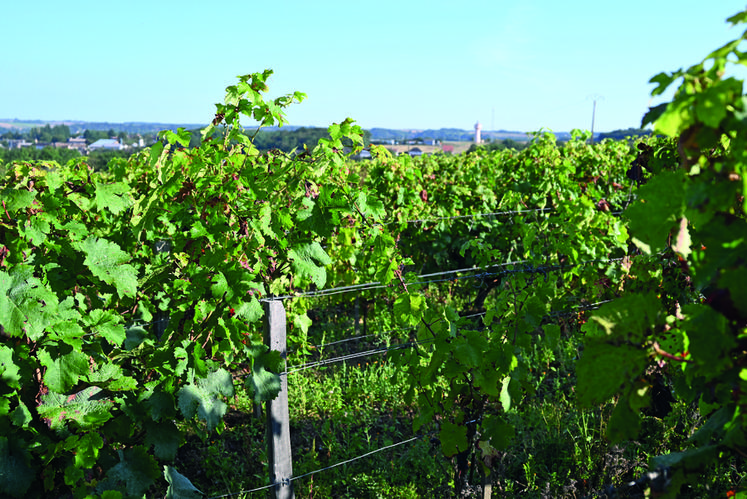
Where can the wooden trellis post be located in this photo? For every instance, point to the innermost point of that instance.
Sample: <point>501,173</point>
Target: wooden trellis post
<point>278,421</point>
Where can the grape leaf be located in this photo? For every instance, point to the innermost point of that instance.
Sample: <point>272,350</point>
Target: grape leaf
<point>106,260</point>
<point>64,371</point>
<point>658,210</point>
<point>87,450</point>
<point>135,472</point>
<point>453,438</point>
<point>165,438</point>
<point>15,475</point>
<point>264,382</point>
<point>497,431</point>
<point>113,196</point>
<point>89,408</point>
<point>9,371</point>
<point>179,486</point>
<point>25,304</point>
<point>308,260</point>
<point>107,324</point>
<point>604,368</point>
<point>201,398</point>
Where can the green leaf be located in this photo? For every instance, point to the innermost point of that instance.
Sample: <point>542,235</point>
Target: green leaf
<point>26,306</point>
<point>106,260</point>
<point>64,371</point>
<point>21,416</point>
<point>505,397</point>
<point>160,405</point>
<point>251,310</point>
<point>264,382</point>
<point>497,431</point>
<point>113,197</point>
<point>604,368</point>
<point>219,286</point>
<point>370,206</point>
<point>710,338</point>
<point>658,210</point>
<point>467,355</point>
<point>663,80</point>
<point>165,438</point>
<point>9,371</point>
<point>488,380</point>
<point>453,438</point>
<point>15,474</point>
<point>179,486</point>
<point>193,400</point>
<point>677,116</point>
<point>36,229</point>
<point>409,308</point>
<point>89,408</point>
<point>631,317</point>
<point>182,136</point>
<point>625,423</point>
<point>302,322</point>
<point>106,324</point>
<point>308,260</point>
<point>734,281</point>
<point>711,104</point>
<point>552,335</point>
<point>690,460</point>
<point>201,399</point>
<point>87,450</point>
<point>135,472</point>
<point>713,429</point>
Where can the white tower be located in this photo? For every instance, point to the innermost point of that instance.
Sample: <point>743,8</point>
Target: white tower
<point>478,127</point>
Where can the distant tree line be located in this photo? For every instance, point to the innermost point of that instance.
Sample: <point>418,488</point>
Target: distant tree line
<point>283,140</point>
<point>498,145</point>
<point>59,154</point>
<point>294,139</point>
<point>61,133</point>
<point>623,134</point>
<point>96,159</point>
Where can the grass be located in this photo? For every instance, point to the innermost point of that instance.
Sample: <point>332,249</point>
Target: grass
<point>342,411</point>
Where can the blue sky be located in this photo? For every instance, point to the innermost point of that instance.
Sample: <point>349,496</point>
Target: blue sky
<point>515,65</point>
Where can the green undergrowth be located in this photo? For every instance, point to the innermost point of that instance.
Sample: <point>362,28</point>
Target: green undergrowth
<point>342,411</point>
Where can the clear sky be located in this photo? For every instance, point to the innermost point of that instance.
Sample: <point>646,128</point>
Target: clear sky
<point>509,64</point>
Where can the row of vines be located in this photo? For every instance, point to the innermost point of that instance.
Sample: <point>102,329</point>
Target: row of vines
<point>130,297</point>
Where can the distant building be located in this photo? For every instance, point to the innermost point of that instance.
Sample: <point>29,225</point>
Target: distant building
<point>447,149</point>
<point>18,143</point>
<point>415,151</point>
<point>78,143</point>
<point>107,144</point>
<point>478,127</point>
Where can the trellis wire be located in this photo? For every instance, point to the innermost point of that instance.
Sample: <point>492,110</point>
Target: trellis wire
<point>378,285</point>
<point>475,215</point>
<point>341,463</point>
<point>400,346</point>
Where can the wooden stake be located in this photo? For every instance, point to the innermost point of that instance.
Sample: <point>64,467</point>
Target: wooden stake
<point>278,421</point>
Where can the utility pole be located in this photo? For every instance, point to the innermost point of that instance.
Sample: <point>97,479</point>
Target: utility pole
<point>595,98</point>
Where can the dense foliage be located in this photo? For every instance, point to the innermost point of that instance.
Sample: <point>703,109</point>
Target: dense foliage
<point>130,296</point>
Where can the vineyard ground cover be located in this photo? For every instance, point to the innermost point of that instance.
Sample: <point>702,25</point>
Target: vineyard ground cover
<point>340,412</point>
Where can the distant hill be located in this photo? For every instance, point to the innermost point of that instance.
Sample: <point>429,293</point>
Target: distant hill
<point>80,126</point>
<point>443,134</point>
<point>624,134</point>
<point>376,134</point>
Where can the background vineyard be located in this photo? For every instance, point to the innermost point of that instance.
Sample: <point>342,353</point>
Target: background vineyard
<point>551,321</point>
